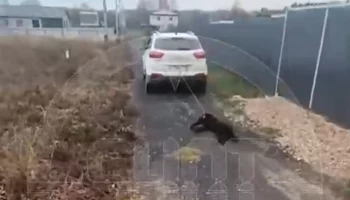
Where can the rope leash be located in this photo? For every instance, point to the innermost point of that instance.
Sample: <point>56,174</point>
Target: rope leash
<point>194,96</point>
<point>173,85</point>
<point>190,89</point>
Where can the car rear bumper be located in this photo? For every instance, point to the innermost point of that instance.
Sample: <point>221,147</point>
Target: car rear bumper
<point>200,78</point>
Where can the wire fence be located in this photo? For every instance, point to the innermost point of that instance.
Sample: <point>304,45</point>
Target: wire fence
<point>306,54</point>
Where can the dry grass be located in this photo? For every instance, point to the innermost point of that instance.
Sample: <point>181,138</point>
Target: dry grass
<point>64,139</point>
<point>225,83</point>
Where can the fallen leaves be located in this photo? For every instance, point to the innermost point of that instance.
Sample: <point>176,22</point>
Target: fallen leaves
<point>188,154</point>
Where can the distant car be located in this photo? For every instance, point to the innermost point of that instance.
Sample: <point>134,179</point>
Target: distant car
<point>174,57</point>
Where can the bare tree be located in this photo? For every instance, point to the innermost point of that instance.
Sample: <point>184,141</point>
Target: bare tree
<point>4,2</point>
<point>173,5</point>
<point>31,2</point>
<point>142,5</point>
<point>238,12</point>
<point>85,6</point>
<point>142,11</point>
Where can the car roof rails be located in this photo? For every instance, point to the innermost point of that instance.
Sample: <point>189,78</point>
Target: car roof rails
<point>155,33</point>
<point>190,32</point>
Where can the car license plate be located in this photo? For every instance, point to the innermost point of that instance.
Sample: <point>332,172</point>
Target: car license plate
<point>180,58</point>
<point>179,66</point>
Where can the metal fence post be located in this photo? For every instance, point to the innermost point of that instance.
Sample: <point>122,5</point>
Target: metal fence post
<point>281,52</point>
<point>318,58</point>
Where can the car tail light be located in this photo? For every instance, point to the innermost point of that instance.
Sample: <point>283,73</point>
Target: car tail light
<point>200,75</point>
<point>199,55</point>
<point>155,75</point>
<point>156,54</point>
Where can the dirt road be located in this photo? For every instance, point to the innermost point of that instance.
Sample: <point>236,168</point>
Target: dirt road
<point>244,171</point>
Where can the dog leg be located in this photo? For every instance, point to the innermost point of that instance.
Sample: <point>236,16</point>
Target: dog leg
<point>234,138</point>
<point>222,141</point>
<point>200,129</point>
<point>195,124</point>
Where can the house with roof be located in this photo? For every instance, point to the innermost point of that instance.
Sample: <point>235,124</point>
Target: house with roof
<point>33,16</point>
<point>164,17</point>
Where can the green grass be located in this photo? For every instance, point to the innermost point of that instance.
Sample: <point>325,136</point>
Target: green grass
<point>224,84</point>
<point>347,191</point>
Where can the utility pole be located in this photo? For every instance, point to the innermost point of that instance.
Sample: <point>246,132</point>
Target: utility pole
<point>117,18</point>
<point>122,23</point>
<point>105,20</point>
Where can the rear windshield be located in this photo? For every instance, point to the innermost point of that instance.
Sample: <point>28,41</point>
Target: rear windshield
<point>177,44</point>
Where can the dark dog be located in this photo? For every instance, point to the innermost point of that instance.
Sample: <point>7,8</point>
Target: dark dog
<point>223,131</point>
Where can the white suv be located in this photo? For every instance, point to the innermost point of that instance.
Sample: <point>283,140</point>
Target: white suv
<point>176,58</point>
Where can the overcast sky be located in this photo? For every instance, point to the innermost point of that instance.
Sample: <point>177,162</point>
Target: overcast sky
<point>183,4</point>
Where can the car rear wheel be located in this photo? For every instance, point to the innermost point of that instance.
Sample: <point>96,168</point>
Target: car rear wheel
<point>149,88</point>
<point>202,88</point>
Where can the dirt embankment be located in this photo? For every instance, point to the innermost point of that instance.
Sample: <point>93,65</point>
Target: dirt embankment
<point>66,124</point>
<point>306,136</point>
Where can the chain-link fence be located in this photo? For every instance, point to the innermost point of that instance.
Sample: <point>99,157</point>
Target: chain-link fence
<point>252,48</point>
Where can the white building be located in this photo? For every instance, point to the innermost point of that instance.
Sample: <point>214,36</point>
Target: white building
<point>89,18</point>
<point>32,16</point>
<point>164,19</point>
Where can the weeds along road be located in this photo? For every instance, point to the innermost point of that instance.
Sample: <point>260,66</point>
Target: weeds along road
<point>243,170</point>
